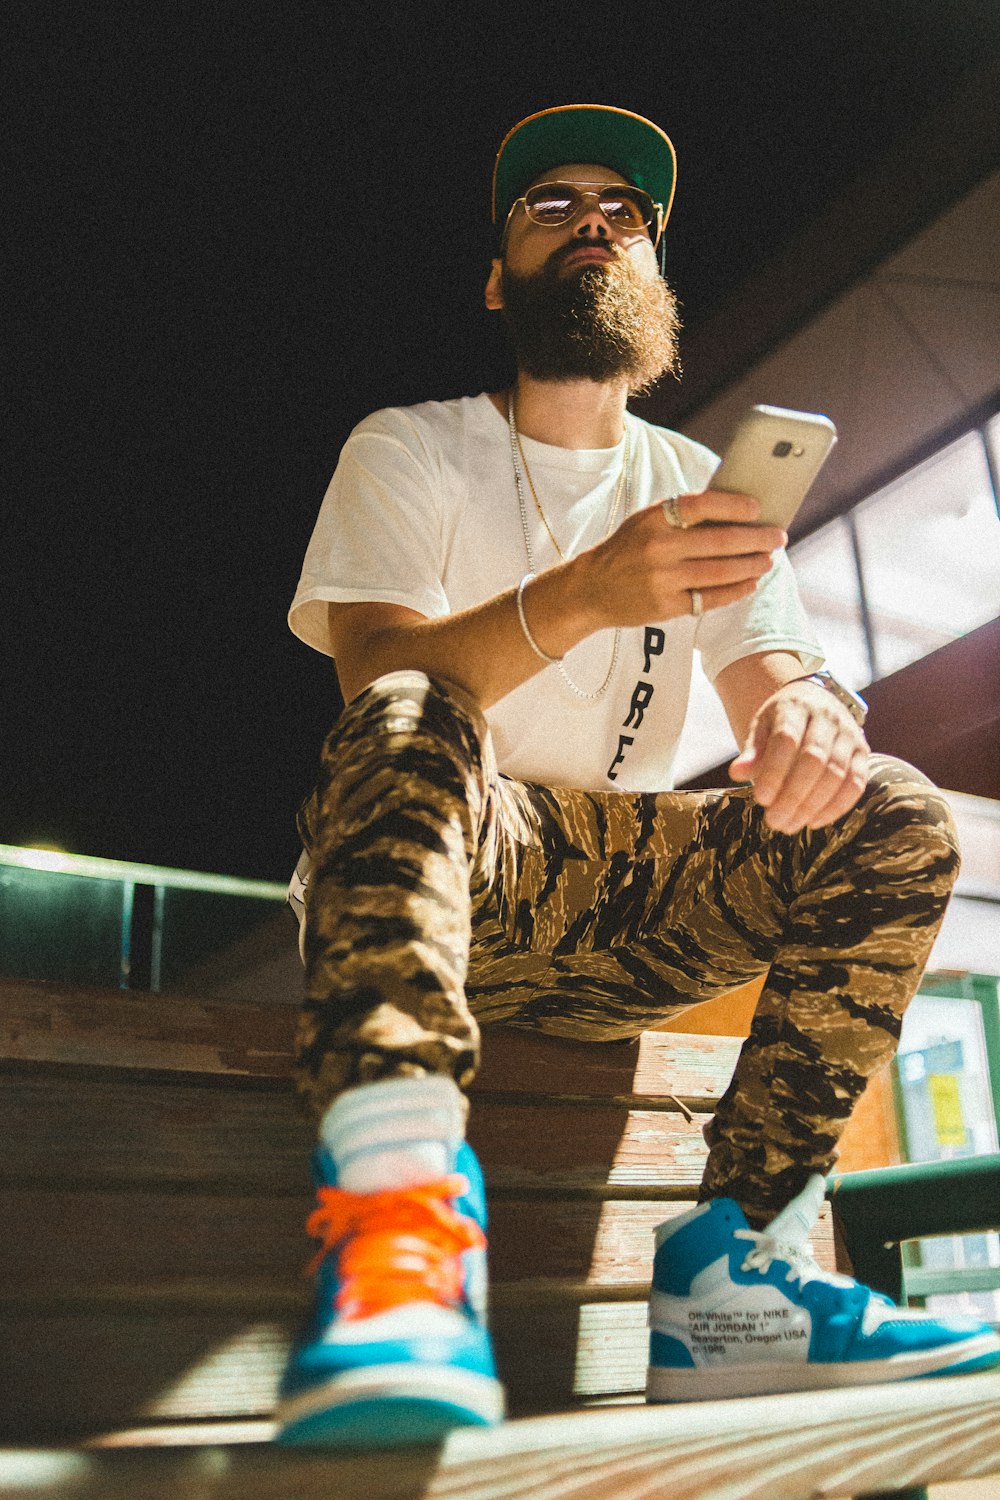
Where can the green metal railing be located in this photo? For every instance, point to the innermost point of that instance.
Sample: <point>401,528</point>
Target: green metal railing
<point>78,914</point>
<point>877,1211</point>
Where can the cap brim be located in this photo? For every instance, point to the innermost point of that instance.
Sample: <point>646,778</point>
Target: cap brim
<point>623,142</point>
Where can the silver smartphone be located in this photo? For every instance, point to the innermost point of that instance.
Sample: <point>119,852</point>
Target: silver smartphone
<point>775,455</point>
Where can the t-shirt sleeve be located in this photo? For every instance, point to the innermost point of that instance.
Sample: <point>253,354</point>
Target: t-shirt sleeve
<point>378,536</point>
<point>771,619</point>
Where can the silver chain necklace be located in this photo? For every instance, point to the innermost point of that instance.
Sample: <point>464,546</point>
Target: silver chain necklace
<point>515,452</point>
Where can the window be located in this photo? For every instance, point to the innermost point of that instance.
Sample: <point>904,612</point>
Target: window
<point>930,555</point>
<point>947,1078</point>
<point>827,576</point>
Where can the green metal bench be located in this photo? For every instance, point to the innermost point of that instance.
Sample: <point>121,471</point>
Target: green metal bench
<point>875,1212</point>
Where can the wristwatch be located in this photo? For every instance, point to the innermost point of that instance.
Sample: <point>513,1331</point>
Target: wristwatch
<point>853,702</point>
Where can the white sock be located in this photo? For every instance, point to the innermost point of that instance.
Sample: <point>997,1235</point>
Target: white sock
<point>394,1133</point>
<point>797,1219</point>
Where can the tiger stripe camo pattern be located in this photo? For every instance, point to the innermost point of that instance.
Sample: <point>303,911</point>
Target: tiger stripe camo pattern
<point>444,895</point>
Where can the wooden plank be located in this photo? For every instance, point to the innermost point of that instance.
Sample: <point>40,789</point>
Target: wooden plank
<point>659,1065</point>
<point>65,1245</point>
<point>600,1246</point>
<point>50,1024</point>
<point>80,1355</point>
<point>122,1132</point>
<point>790,1447</point>
<point>220,1330</point>
<point>587,1150</point>
<point>85,1025</point>
<point>73,1373</point>
<point>119,1131</point>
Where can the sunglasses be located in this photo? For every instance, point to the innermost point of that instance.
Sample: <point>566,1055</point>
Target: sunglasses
<point>625,207</point>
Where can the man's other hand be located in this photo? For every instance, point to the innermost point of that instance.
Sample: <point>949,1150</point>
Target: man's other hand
<point>806,757</point>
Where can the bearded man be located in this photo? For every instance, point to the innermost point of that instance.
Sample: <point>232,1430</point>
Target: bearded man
<point>512,586</point>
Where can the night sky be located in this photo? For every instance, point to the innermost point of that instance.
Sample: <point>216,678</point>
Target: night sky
<point>232,230</point>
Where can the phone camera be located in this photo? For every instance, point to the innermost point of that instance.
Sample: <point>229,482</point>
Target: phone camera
<point>781,450</point>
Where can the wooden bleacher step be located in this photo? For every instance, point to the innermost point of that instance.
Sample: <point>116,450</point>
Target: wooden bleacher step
<point>800,1447</point>
<point>155,1183</point>
<point>156,1173</point>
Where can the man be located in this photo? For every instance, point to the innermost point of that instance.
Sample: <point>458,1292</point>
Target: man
<point>512,586</point>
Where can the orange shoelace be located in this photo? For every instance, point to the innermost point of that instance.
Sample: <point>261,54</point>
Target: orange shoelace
<point>394,1247</point>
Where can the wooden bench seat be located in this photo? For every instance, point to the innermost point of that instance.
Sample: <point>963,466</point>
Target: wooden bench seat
<point>154,1185</point>
<point>800,1447</point>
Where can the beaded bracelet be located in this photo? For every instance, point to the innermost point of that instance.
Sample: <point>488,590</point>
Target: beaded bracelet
<point>552,661</point>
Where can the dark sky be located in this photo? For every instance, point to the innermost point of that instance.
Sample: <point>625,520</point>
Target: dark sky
<point>233,230</point>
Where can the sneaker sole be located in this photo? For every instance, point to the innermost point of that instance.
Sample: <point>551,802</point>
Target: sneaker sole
<point>663,1384</point>
<point>386,1406</point>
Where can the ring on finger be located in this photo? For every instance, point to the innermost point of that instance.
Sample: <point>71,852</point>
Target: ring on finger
<point>672,513</point>
<point>697,603</point>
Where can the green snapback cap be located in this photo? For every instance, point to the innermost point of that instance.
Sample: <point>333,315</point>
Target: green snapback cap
<point>625,143</point>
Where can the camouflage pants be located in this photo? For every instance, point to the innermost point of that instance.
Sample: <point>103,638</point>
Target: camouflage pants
<point>444,894</point>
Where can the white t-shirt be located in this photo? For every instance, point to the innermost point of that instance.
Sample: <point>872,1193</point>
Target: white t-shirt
<point>423,512</point>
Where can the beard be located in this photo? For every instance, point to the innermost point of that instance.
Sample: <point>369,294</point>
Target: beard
<point>602,323</point>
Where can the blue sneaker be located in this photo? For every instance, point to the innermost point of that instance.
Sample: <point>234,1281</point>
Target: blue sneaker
<point>736,1312</point>
<point>398,1350</point>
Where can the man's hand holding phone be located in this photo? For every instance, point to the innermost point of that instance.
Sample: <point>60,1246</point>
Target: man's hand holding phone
<point>692,554</point>
<point>716,545</point>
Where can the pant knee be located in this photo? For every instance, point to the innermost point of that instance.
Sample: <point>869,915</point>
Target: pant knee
<point>909,818</point>
<point>401,704</point>
<point>404,732</point>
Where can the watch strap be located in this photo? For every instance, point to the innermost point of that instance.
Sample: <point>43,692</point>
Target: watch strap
<point>852,701</point>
